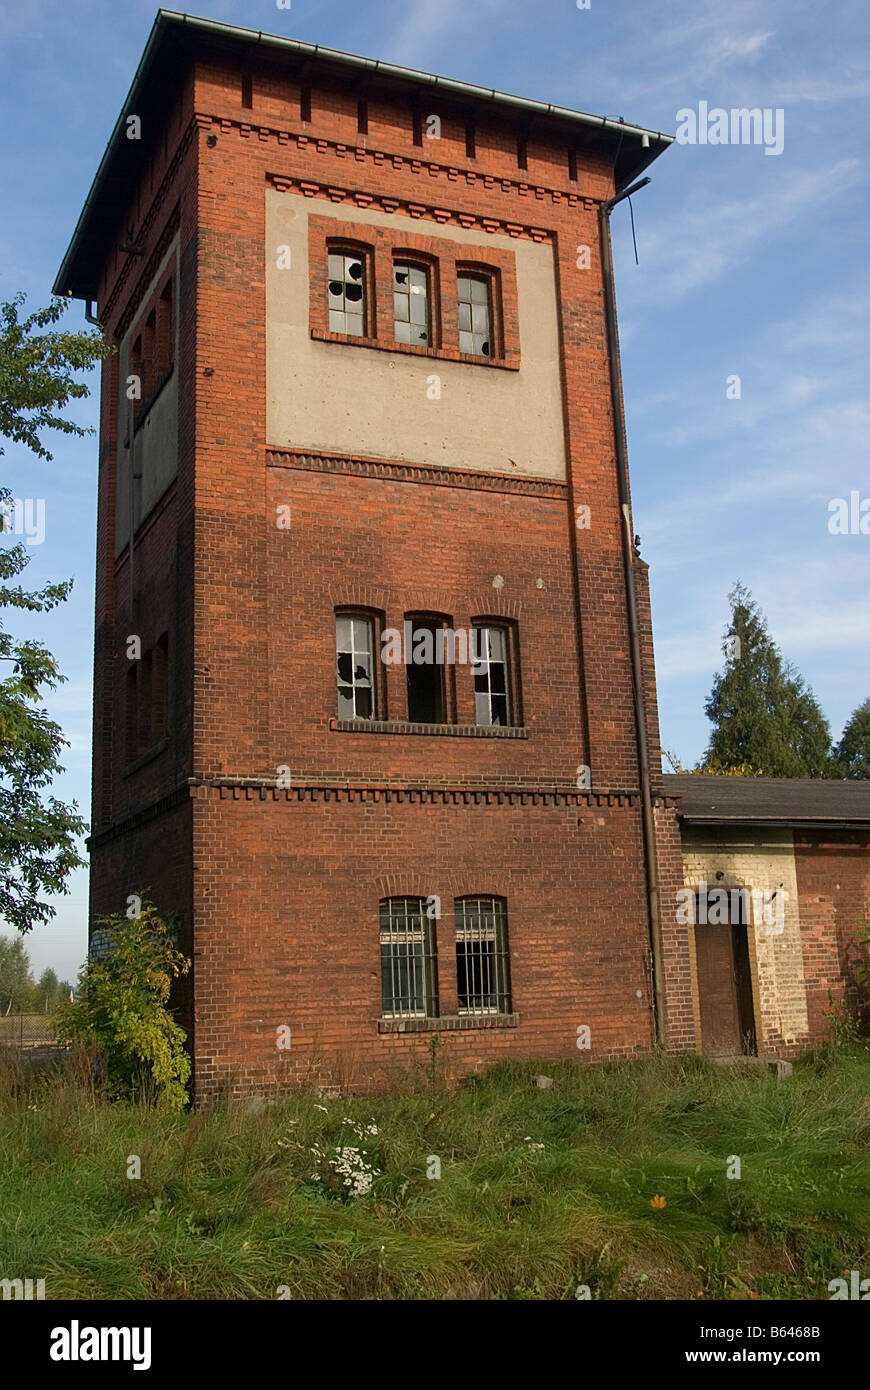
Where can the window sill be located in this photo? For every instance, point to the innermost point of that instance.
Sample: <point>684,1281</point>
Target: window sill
<point>510,362</point>
<point>451,1023</point>
<point>403,726</point>
<point>146,757</point>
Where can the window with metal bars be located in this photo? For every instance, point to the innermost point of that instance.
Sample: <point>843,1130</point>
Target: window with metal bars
<point>475,315</point>
<point>354,647</point>
<point>409,978</point>
<point>482,965</point>
<point>347,293</point>
<point>411,304</point>
<point>490,670</point>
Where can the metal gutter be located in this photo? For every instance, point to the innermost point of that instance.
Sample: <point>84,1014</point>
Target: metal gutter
<point>167,20</point>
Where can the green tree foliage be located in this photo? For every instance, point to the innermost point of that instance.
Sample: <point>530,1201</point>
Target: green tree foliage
<point>853,750</point>
<point>38,368</point>
<point>50,993</point>
<point>766,721</point>
<point>16,981</point>
<point>121,1008</point>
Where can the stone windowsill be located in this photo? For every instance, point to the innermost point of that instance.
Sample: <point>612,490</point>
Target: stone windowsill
<point>510,362</point>
<point>402,726</point>
<point>450,1023</point>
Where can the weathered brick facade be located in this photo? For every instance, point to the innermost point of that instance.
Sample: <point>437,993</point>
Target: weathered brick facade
<point>460,504</point>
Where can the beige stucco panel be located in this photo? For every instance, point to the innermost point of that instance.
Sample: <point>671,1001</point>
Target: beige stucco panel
<point>355,400</point>
<point>764,860</point>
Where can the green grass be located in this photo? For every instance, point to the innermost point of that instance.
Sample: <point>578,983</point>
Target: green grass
<point>223,1211</point>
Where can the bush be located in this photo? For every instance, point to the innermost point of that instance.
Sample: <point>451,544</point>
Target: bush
<point>121,1010</point>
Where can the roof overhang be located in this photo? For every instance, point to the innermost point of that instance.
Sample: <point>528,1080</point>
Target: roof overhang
<point>174,40</point>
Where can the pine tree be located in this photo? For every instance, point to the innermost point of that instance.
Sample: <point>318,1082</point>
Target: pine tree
<point>853,750</point>
<point>765,718</point>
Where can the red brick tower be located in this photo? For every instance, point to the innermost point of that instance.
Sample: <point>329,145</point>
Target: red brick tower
<point>361,314</point>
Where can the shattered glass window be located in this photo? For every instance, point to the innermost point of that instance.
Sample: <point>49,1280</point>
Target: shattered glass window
<point>347,300</point>
<point>353,655</point>
<point>411,304</point>
<point>475,315</point>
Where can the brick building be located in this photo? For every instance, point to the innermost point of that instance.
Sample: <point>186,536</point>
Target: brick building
<point>365,407</point>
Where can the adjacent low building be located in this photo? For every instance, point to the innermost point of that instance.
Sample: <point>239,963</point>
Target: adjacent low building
<point>786,863</point>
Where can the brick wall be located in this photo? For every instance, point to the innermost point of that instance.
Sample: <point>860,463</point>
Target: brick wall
<point>833,879</point>
<point>279,891</point>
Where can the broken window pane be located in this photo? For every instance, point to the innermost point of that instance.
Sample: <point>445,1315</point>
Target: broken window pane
<point>411,304</point>
<point>346,294</point>
<point>408,962</point>
<point>475,315</point>
<point>491,702</point>
<point>354,644</point>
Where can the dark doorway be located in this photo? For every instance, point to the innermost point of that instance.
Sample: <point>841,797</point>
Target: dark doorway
<point>725,982</point>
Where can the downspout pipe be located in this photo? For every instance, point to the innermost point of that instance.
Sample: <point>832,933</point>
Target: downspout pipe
<point>649,837</point>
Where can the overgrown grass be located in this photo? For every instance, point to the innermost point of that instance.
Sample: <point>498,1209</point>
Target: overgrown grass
<point>223,1210</point>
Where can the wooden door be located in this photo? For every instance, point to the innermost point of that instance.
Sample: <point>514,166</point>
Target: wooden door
<point>718,993</point>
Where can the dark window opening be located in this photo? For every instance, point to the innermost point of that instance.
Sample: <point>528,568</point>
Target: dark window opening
<point>409,978</point>
<point>132,713</point>
<point>426,703</point>
<point>305,104</point>
<point>522,153</point>
<point>417,117</point>
<point>247,89</point>
<point>161,688</point>
<point>470,142</point>
<point>362,117</point>
<point>482,965</point>
<point>572,165</point>
<point>146,674</point>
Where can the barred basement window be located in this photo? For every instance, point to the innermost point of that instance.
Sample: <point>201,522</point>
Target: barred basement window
<point>409,981</point>
<point>475,315</point>
<point>490,670</point>
<point>482,966</point>
<point>354,644</point>
<point>411,304</point>
<point>347,297</point>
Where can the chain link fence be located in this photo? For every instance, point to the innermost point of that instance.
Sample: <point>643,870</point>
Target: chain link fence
<point>21,1030</point>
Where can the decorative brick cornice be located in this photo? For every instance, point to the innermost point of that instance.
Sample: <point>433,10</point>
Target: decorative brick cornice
<point>489,792</point>
<point>417,473</point>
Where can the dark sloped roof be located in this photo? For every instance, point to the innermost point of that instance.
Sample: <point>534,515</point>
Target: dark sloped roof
<point>771,800</point>
<point>175,37</point>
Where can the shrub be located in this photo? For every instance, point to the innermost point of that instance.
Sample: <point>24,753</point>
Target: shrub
<point>121,1010</point>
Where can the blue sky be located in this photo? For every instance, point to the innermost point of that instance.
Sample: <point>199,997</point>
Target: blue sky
<point>750,264</point>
